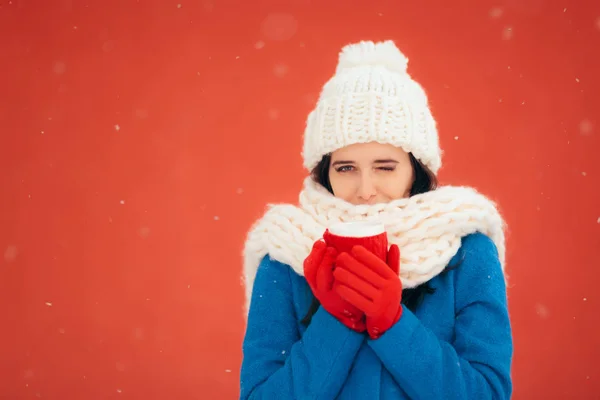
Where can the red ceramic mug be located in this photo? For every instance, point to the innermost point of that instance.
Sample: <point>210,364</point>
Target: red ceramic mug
<point>369,234</point>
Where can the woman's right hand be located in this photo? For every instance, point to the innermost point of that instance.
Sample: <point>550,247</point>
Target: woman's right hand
<point>318,271</point>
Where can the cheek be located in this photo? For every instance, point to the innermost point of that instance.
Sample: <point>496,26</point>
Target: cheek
<point>398,184</point>
<point>343,186</point>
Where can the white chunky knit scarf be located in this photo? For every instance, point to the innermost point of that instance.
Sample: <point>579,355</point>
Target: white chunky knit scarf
<point>427,228</point>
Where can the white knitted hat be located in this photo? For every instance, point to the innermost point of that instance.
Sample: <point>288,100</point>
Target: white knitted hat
<point>371,98</point>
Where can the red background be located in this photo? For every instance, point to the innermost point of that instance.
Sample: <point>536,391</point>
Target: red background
<point>140,139</point>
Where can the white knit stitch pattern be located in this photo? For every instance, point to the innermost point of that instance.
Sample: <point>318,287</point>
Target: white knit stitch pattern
<point>372,98</point>
<point>427,228</point>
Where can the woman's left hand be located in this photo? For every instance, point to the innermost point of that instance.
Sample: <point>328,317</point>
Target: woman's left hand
<point>371,285</point>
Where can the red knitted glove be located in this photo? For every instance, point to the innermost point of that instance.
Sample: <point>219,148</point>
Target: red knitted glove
<point>318,271</point>
<point>371,285</point>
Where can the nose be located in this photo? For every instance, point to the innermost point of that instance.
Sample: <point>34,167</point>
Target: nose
<point>367,190</point>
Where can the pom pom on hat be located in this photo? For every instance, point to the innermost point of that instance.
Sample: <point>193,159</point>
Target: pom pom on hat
<point>367,53</point>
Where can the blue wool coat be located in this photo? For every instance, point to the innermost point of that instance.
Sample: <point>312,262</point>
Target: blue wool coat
<point>457,345</point>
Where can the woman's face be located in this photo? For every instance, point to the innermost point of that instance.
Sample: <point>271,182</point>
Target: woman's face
<point>369,173</point>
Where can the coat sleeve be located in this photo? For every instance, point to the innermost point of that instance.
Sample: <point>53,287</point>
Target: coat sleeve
<point>476,364</point>
<point>280,363</point>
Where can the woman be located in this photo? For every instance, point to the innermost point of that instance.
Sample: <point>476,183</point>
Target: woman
<point>431,322</point>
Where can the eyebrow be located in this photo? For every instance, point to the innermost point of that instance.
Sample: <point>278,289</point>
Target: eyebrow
<point>381,161</point>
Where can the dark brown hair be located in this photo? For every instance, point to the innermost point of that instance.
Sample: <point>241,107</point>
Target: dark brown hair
<point>425,181</point>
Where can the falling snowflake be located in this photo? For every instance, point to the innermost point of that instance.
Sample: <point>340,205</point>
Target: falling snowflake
<point>455,137</point>
<point>280,70</point>
<point>586,127</point>
<point>144,232</point>
<point>138,333</point>
<point>496,12</point>
<point>507,33</point>
<point>141,113</point>
<point>49,304</point>
<point>117,127</point>
<point>279,26</point>
<point>178,5</point>
<point>273,114</point>
<point>59,67</point>
<point>209,6</point>
<point>259,45</point>
<point>216,218</point>
<point>10,254</point>
<point>542,311</point>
